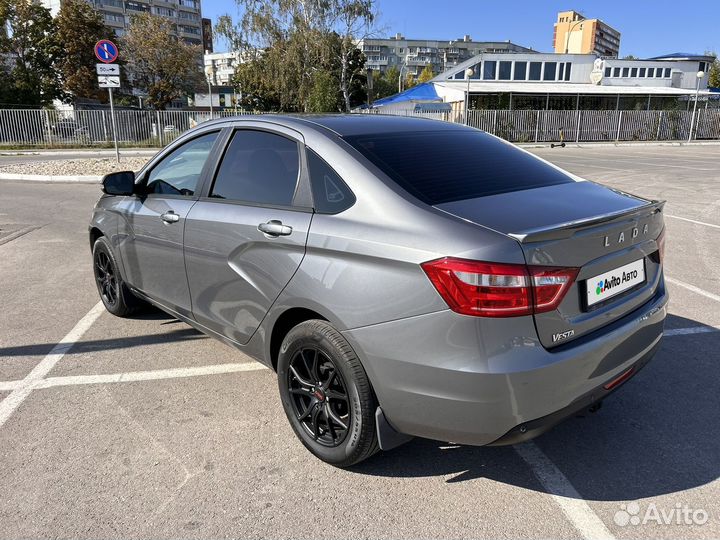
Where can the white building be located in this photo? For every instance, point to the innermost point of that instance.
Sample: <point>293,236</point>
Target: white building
<point>571,81</point>
<point>220,67</point>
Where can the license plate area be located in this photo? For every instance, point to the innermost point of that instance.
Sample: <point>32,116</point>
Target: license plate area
<point>610,284</point>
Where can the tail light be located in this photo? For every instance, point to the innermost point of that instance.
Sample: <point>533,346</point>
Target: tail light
<point>488,289</point>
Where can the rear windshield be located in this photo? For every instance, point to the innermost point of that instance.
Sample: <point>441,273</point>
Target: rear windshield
<point>446,166</point>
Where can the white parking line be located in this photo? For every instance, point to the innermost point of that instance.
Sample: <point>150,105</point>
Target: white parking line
<point>691,330</point>
<point>585,520</point>
<point>136,376</point>
<point>19,394</point>
<point>694,221</point>
<point>693,288</point>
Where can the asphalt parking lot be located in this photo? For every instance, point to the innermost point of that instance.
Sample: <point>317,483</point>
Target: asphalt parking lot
<point>146,428</point>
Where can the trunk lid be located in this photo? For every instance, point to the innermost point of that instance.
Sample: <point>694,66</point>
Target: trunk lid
<point>603,232</point>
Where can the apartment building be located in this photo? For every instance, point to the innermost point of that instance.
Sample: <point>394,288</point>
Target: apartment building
<point>412,55</point>
<point>185,14</point>
<point>576,34</point>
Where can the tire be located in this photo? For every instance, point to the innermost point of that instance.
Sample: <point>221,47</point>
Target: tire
<point>316,367</point>
<point>113,291</point>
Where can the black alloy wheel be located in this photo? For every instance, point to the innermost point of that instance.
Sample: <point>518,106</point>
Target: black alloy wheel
<point>108,285</point>
<point>319,396</point>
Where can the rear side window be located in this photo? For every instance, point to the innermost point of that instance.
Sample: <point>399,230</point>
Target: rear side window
<point>330,194</point>
<point>445,166</point>
<point>258,167</point>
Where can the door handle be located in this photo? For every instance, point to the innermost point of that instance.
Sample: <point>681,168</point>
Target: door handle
<point>170,217</point>
<point>275,228</point>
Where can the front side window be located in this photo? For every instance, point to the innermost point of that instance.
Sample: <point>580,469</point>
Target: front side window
<point>178,173</point>
<point>330,194</point>
<point>258,167</point>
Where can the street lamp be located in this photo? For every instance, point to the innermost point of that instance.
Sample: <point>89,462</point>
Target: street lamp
<point>402,66</point>
<point>567,35</point>
<point>699,75</point>
<point>210,72</point>
<point>468,73</point>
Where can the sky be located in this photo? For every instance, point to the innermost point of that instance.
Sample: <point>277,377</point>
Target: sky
<point>649,28</point>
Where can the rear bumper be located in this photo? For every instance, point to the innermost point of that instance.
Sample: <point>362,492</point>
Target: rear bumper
<point>454,378</point>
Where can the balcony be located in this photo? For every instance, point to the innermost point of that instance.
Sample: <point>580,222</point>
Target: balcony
<point>420,61</point>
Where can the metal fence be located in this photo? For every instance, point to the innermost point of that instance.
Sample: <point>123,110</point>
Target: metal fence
<point>52,129</point>
<point>584,125</point>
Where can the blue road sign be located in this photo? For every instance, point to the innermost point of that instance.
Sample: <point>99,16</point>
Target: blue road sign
<point>106,51</point>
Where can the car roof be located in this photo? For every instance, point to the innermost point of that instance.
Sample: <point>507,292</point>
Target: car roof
<point>348,125</point>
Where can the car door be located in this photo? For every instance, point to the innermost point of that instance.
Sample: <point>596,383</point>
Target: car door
<point>246,237</point>
<point>152,248</point>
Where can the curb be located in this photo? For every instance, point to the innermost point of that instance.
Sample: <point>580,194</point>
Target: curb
<point>60,179</point>
<point>627,144</point>
<point>92,151</point>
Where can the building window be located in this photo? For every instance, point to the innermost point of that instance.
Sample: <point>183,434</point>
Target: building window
<point>608,71</point>
<point>520,71</point>
<point>701,66</point>
<point>504,71</point>
<point>489,70</point>
<point>633,72</point>
<point>550,71</point>
<point>568,67</point>
<point>616,72</point>
<point>658,72</point>
<point>626,72</point>
<point>667,73</point>
<point>535,69</point>
<point>642,72</point>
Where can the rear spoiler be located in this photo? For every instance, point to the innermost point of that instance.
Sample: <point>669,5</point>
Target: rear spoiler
<point>566,230</point>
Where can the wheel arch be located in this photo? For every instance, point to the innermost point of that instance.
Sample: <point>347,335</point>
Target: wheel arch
<point>95,233</point>
<point>287,320</point>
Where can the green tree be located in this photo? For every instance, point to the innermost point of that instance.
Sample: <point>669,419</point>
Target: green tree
<point>32,50</point>
<point>387,85</point>
<point>410,81</point>
<point>163,77</point>
<point>426,74</point>
<point>290,40</point>
<point>324,95</point>
<point>714,71</point>
<point>79,27</point>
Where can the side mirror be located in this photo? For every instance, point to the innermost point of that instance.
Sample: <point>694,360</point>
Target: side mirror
<point>119,183</point>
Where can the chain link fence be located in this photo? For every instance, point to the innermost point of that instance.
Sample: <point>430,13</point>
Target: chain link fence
<point>93,128</point>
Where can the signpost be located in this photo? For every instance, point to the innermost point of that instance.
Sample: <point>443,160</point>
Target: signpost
<point>109,77</point>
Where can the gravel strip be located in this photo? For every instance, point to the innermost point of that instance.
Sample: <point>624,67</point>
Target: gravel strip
<point>76,167</point>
